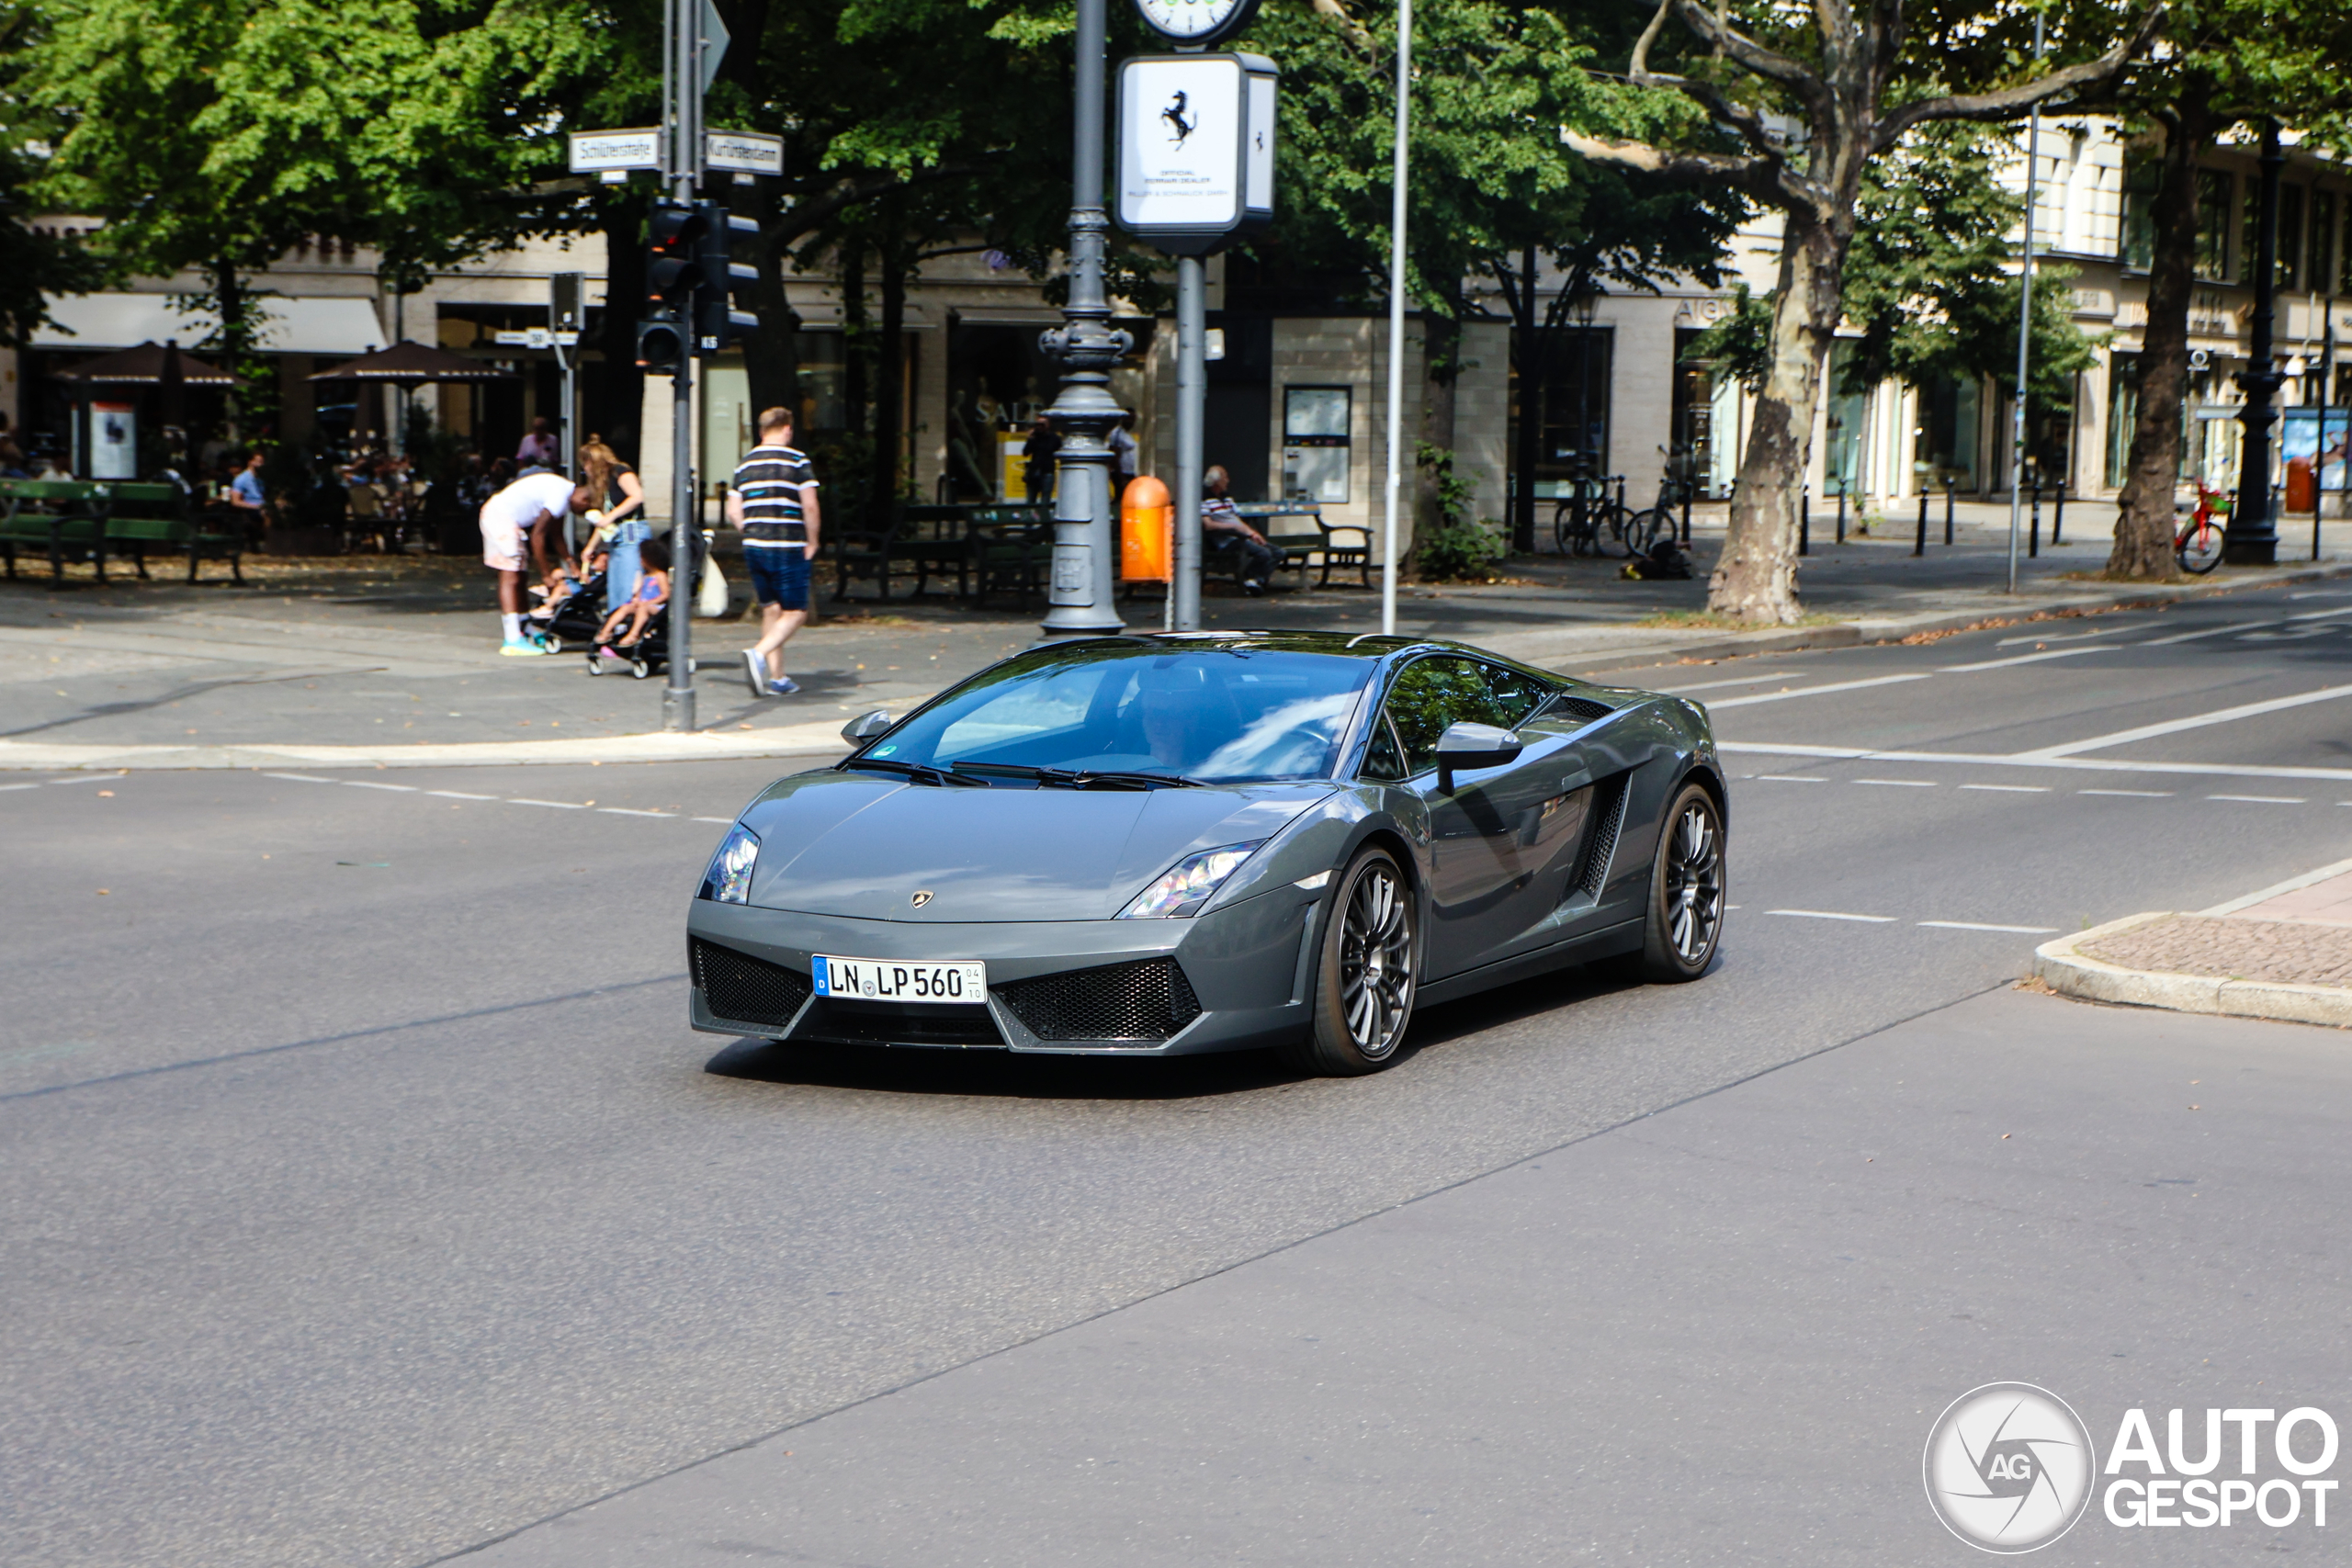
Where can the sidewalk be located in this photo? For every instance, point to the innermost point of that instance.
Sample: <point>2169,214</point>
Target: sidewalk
<point>2282,952</point>
<point>374,661</point>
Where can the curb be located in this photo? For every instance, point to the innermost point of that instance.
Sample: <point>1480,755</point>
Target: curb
<point>660,746</point>
<point>2064,968</point>
<point>1546,647</point>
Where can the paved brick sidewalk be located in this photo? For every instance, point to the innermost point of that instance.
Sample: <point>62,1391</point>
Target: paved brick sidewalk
<point>2282,952</point>
<point>2231,947</point>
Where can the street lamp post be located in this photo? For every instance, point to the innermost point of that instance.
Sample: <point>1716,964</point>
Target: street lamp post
<point>1085,552</point>
<point>2252,536</point>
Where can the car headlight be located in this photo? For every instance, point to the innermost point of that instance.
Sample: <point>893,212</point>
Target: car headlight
<point>1188,884</point>
<point>729,880</point>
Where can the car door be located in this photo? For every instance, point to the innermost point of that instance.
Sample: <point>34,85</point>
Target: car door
<point>1500,839</point>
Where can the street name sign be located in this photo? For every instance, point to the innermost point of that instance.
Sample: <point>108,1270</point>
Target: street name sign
<point>744,152</point>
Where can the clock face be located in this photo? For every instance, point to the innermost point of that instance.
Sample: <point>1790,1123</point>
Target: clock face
<point>1189,20</point>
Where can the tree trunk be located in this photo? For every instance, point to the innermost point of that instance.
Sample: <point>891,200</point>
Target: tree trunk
<point>772,364</point>
<point>1755,581</point>
<point>1440,369</point>
<point>889,374</point>
<point>2144,523</point>
<point>617,393</point>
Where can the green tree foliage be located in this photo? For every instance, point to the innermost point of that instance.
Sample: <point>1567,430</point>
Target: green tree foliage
<point>32,264</point>
<point>1931,281</point>
<point>213,135</point>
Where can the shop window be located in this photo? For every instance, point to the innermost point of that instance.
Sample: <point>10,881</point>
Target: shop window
<point>1946,438</point>
<point>2122,415</point>
<point>1317,444</point>
<point>1573,392</point>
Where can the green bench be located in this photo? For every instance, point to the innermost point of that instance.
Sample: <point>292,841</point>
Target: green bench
<point>1343,545</point>
<point>86,520</point>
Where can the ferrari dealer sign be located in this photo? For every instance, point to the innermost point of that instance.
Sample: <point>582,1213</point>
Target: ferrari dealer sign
<point>1196,138</point>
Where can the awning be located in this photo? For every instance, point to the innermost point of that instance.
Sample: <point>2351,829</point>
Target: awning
<point>407,363</point>
<point>298,324</point>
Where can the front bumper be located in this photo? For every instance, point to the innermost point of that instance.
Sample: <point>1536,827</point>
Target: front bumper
<point>1247,965</point>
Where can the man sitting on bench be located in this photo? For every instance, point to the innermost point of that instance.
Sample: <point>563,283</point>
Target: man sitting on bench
<point>1219,517</point>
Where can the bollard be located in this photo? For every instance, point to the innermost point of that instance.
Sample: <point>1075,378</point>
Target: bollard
<point>1805,522</point>
<point>2033,529</point>
<point>1946,509</point>
<point>1687,488</point>
<point>2058,512</point>
<point>1920,549</point>
<point>1841,514</point>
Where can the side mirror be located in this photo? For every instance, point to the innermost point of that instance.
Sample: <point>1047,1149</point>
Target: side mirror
<point>1467,745</point>
<point>867,726</point>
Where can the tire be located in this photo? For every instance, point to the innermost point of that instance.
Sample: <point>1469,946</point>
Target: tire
<point>2198,548</point>
<point>1617,535</point>
<point>595,665</point>
<point>1685,917</point>
<point>638,669</point>
<point>1366,973</point>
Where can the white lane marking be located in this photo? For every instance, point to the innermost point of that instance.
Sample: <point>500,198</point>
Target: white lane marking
<point>1790,778</point>
<point>2061,636</point>
<point>301,778</point>
<point>1835,915</point>
<point>2135,794</point>
<point>370,784</point>
<point>102,778</point>
<point>2012,789</point>
<point>2031,760</point>
<point>1743,680</point>
<point>2322,593</point>
<point>2238,626</point>
<point>19,786</point>
<point>2024,658</point>
<point>458,794</point>
<point>1976,926</point>
<point>722,821</point>
<point>624,811</point>
<point>559,805</point>
<point>2293,885</point>
<point>1898,783</point>
<point>2261,799</point>
<point>1816,691</point>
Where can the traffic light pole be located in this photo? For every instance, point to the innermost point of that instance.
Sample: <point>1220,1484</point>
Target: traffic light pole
<point>681,165</point>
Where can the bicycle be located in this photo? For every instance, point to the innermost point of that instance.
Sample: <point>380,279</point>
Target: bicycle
<point>1663,521</point>
<point>1590,522</point>
<point>2198,544</point>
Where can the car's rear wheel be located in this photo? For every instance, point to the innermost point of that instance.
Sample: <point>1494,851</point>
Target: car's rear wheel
<point>1363,972</point>
<point>1687,883</point>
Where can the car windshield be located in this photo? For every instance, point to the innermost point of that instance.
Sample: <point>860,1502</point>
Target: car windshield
<point>1214,716</point>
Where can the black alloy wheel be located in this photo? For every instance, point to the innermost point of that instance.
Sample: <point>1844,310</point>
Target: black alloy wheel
<point>1687,890</point>
<point>1365,972</point>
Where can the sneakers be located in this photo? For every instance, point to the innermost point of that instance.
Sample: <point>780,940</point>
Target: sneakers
<point>755,672</point>
<point>783,686</point>
<point>524,647</point>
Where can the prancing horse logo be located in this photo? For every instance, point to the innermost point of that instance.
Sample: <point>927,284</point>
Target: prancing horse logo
<point>1175,115</point>
<point>920,899</point>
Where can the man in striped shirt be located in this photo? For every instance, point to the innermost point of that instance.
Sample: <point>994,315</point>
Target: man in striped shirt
<point>774,501</point>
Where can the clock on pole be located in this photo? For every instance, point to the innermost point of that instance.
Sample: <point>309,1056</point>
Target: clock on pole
<point>1196,23</point>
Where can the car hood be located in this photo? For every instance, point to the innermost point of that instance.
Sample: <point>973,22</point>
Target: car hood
<point>861,845</point>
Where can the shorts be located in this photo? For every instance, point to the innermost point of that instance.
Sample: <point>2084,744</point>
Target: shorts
<point>502,544</point>
<point>778,576</point>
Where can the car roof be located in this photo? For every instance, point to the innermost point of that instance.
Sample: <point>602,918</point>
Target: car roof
<point>1358,645</point>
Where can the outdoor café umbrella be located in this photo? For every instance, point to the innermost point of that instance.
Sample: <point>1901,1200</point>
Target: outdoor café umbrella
<point>162,365</point>
<point>409,366</point>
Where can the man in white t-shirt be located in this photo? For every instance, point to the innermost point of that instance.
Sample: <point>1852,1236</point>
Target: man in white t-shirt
<point>530,507</point>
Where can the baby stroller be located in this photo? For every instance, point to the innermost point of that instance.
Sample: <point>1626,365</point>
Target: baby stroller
<point>574,618</point>
<point>647,654</point>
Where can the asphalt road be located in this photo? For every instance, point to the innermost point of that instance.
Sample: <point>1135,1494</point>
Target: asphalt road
<point>368,1199</point>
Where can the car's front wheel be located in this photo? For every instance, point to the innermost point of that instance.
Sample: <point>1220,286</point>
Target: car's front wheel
<point>1687,881</point>
<point>1364,973</point>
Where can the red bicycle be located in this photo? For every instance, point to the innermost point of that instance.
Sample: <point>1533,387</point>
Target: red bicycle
<point>2198,545</point>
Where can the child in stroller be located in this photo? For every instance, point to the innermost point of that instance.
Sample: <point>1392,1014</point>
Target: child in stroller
<point>643,622</point>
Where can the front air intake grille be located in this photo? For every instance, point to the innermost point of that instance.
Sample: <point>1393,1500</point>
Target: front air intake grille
<point>746,990</point>
<point>1144,1002</point>
<point>1601,848</point>
<point>898,1023</point>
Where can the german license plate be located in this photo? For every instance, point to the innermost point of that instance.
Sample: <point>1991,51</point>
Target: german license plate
<point>901,980</point>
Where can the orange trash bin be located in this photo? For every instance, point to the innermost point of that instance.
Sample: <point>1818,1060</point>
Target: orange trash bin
<point>1146,541</point>
<point>2301,494</point>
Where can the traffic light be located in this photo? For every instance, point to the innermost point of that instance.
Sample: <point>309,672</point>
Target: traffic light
<point>721,280</point>
<point>673,273</point>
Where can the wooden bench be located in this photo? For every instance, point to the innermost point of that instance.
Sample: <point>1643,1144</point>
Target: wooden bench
<point>1332,543</point>
<point>1010,546</point>
<point>87,519</point>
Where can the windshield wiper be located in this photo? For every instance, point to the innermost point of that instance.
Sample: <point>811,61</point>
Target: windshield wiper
<point>915,771</point>
<point>1069,778</point>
